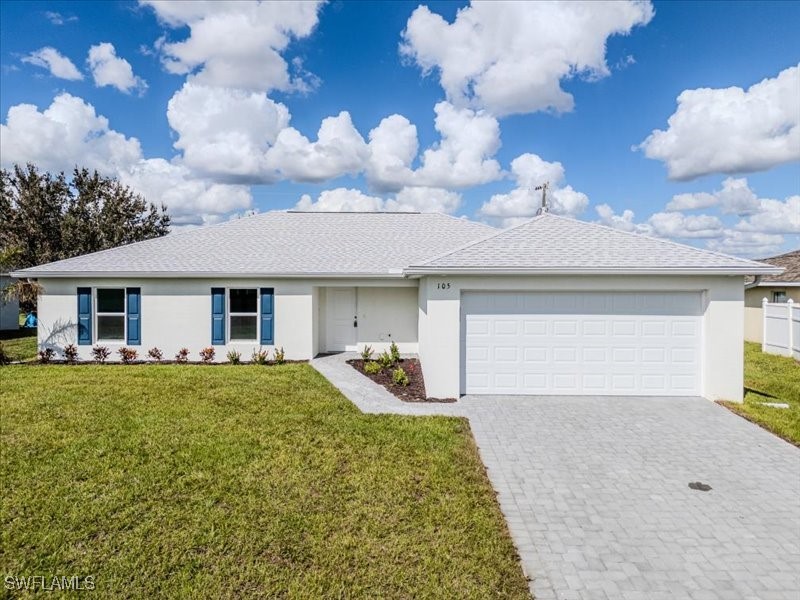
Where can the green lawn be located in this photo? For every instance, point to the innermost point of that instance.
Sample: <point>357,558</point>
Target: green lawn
<point>771,378</point>
<point>19,345</point>
<point>240,481</point>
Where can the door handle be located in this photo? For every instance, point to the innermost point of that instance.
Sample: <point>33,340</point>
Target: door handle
<point>355,321</point>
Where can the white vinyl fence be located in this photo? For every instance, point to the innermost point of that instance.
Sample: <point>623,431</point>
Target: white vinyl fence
<point>781,328</point>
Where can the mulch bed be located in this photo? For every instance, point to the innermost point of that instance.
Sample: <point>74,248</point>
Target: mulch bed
<point>413,392</point>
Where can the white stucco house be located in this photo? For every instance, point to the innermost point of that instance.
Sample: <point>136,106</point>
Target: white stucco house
<point>553,306</point>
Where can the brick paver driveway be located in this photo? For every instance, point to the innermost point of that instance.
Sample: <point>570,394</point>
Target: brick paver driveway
<point>596,494</point>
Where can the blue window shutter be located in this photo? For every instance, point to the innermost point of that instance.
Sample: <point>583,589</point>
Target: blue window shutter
<point>84,316</point>
<point>133,315</point>
<point>217,316</point>
<point>267,313</point>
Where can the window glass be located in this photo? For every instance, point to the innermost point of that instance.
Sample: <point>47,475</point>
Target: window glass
<point>111,327</point>
<point>111,301</point>
<point>243,327</point>
<point>244,301</point>
<point>779,296</point>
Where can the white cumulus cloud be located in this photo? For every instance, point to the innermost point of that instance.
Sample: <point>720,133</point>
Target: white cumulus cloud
<point>338,150</point>
<point>51,59</point>
<point>735,197</point>
<point>413,199</point>
<point>108,69</point>
<point>237,44</point>
<point>761,229</point>
<point>393,146</point>
<point>511,57</point>
<point>225,133</point>
<point>463,155</point>
<point>731,130</point>
<point>70,133</point>
<point>524,201</point>
<point>749,244</point>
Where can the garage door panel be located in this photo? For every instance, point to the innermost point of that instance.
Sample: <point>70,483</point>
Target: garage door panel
<point>535,354</point>
<point>642,344</point>
<point>477,326</point>
<point>505,354</point>
<point>592,328</point>
<point>594,354</point>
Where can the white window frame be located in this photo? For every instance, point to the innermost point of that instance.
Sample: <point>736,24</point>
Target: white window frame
<point>97,313</point>
<point>230,314</point>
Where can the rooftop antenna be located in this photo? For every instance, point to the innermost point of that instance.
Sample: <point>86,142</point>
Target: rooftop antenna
<point>543,208</point>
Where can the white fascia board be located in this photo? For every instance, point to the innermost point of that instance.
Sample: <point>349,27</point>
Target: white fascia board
<point>195,275</point>
<point>419,271</point>
<point>773,284</point>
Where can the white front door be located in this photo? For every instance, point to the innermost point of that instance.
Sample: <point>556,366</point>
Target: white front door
<point>625,343</point>
<point>340,317</point>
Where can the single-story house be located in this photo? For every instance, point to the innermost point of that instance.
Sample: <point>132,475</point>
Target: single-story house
<point>775,288</point>
<point>9,308</point>
<point>553,306</point>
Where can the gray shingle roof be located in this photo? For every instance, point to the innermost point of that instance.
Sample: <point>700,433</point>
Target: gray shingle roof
<point>289,243</point>
<point>549,243</point>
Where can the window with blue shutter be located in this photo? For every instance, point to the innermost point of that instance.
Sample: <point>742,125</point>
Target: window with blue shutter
<point>84,316</point>
<point>134,317</point>
<point>217,316</point>
<point>267,313</point>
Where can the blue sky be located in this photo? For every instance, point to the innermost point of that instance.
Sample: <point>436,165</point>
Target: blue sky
<point>224,148</point>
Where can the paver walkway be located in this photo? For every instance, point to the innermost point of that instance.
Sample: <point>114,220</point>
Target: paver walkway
<point>595,492</point>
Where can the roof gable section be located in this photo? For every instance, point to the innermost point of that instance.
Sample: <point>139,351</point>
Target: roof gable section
<point>284,243</point>
<point>551,243</point>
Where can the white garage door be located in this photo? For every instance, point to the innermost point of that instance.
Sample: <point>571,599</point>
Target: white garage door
<point>581,343</point>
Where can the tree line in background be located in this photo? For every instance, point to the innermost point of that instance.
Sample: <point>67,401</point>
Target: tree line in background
<point>46,217</point>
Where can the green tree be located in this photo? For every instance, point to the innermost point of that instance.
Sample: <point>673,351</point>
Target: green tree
<point>45,217</point>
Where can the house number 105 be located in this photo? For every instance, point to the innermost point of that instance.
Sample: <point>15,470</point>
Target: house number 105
<point>442,286</point>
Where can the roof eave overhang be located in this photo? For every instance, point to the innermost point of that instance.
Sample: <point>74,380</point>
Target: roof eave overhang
<point>768,283</point>
<point>422,271</point>
<point>197,275</point>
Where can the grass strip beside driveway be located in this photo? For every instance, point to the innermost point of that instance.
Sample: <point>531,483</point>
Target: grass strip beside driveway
<point>241,481</point>
<point>773,379</point>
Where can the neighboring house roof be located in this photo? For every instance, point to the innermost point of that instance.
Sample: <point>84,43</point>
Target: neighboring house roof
<point>553,244</point>
<point>282,243</point>
<point>309,244</point>
<point>790,262</point>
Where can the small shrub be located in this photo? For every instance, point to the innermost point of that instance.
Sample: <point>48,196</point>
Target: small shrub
<point>182,356</point>
<point>207,354</point>
<point>46,355</point>
<point>372,367</point>
<point>399,376</point>
<point>100,354</point>
<point>385,360</point>
<point>234,357</point>
<point>394,352</point>
<point>5,358</point>
<point>155,354</point>
<point>366,353</point>
<point>280,356</point>
<point>71,353</point>
<point>127,355</point>
<point>260,356</point>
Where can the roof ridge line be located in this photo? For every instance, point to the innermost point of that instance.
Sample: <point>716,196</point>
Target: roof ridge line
<point>661,240</point>
<point>484,239</point>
